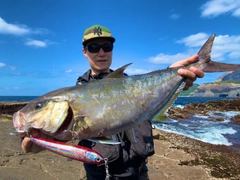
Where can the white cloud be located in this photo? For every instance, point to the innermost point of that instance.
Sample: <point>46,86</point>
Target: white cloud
<point>2,64</point>
<point>41,31</point>
<point>12,68</point>
<point>215,8</point>
<point>133,71</point>
<point>237,12</point>
<point>167,58</point>
<point>174,16</point>
<point>7,66</point>
<point>35,43</point>
<point>16,88</point>
<point>7,28</point>
<point>194,40</point>
<point>234,55</point>
<point>224,47</point>
<point>19,29</point>
<point>68,71</point>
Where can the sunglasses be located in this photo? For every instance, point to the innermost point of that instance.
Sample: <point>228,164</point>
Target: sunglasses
<point>95,48</point>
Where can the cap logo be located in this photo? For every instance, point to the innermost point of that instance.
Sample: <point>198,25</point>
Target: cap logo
<point>98,31</point>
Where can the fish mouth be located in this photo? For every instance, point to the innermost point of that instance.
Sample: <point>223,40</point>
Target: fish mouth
<point>20,125</point>
<point>22,129</point>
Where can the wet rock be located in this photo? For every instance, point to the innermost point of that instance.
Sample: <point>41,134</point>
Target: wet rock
<point>11,107</point>
<point>203,109</point>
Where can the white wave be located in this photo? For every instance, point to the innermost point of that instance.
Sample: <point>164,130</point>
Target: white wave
<point>201,116</point>
<point>203,130</point>
<point>225,115</point>
<point>179,106</point>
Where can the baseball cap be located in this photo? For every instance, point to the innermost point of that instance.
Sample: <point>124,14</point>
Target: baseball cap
<point>97,31</point>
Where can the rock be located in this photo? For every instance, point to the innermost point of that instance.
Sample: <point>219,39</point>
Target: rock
<point>11,107</point>
<point>236,119</point>
<point>176,157</point>
<point>170,161</point>
<point>203,109</point>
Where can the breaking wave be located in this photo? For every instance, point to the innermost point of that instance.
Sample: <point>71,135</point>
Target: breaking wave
<point>204,129</point>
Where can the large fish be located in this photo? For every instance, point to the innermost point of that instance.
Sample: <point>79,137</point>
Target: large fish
<point>111,105</point>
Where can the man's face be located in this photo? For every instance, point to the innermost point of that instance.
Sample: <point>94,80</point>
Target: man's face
<point>99,61</point>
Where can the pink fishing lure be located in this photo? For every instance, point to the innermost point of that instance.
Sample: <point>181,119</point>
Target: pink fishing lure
<point>76,152</point>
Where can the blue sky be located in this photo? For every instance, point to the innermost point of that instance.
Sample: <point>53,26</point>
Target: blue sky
<point>40,41</point>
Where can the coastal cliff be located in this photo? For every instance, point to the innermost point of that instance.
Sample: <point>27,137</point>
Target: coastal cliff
<point>228,85</point>
<point>217,90</point>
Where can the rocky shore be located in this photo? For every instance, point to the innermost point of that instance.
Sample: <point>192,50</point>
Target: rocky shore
<point>176,157</point>
<point>203,109</point>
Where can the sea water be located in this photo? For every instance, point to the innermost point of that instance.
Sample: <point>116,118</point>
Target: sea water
<point>203,128</point>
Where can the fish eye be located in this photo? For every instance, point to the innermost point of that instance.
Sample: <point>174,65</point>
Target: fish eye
<point>39,105</point>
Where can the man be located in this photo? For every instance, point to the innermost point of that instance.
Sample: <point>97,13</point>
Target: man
<point>128,159</point>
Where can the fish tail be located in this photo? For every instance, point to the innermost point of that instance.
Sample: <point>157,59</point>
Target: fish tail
<point>207,65</point>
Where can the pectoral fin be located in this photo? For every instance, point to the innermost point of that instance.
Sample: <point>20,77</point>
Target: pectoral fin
<point>104,140</point>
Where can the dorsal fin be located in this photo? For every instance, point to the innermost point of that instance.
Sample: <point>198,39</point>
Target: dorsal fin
<point>119,72</point>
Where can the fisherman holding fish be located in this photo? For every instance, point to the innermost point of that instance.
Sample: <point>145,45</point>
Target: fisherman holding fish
<point>127,160</point>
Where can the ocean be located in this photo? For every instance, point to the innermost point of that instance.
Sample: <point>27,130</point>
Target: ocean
<point>197,127</point>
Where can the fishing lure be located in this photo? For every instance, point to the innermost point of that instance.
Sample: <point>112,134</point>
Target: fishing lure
<point>72,151</point>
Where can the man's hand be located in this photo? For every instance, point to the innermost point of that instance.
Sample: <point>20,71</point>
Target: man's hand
<point>29,146</point>
<point>192,74</point>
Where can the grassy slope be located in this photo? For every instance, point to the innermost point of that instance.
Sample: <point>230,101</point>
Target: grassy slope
<point>189,91</point>
<point>195,86</point>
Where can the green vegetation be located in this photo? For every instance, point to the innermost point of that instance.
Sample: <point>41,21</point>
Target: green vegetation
<point>218,159</point>
<point>195,86</point>
<point>228,81</point>
<point>189,91</point>
<point>221,166</point>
